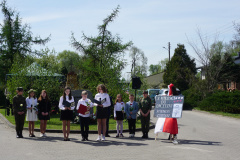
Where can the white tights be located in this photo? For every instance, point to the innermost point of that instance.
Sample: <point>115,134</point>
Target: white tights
<point>119,126</point>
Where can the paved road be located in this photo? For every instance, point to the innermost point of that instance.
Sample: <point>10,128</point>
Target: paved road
<point>202,136</point>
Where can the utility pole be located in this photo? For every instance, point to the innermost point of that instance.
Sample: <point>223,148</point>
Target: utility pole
<point>169,46</point>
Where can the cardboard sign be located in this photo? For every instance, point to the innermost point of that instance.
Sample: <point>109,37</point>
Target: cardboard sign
<point>168,106</point>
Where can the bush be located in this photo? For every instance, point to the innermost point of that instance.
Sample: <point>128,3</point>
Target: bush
<point>222,101</point>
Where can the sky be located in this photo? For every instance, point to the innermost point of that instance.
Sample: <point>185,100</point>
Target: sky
<point>149,24</point>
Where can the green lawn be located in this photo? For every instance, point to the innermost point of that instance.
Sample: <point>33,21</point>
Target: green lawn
<point>55,123</point>
<point>221,113</point>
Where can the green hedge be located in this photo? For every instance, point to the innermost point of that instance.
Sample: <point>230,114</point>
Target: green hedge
<point>222,101</point>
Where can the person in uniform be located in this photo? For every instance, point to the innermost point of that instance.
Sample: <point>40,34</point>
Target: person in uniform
<point>19,106</point>
<point>44,107</point>
<point>66,105</point>
<point>145,106</point>
<point>32,111</point>
<point>109,115</point>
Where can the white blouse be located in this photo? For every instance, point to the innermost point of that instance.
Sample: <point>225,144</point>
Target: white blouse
<point>31,101</point>
<point>118,107</point>
<point>103,96</point>
<point>83,102</point>
<point>61,106</point>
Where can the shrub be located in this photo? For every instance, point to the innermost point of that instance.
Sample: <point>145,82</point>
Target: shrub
<point>222,101</point>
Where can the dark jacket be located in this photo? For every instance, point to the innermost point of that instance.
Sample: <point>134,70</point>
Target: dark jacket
<point>17,102</point>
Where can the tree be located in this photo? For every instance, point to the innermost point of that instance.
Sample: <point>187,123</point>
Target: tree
<point>69,60</point>
<point>163,63</point>
<point>181,69</point>
<point>102,57</point>
<point>139,62</point>
<point>154,69</point>
<point>15,38</point>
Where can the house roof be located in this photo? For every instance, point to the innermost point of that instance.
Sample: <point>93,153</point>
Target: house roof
<point>155,79</point>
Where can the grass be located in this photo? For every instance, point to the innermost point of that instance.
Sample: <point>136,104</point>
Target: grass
<point>221,113</point>
<point>55,123</point>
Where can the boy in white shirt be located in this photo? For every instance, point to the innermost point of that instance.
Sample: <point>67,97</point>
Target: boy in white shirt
<point>84,117</point>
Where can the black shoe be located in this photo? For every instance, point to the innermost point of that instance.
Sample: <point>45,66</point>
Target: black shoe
<point>147,135</point>
<point>86,138</point>
<point>83,139</point>
<point>17,136</point>
<point>117,135</point>
<point>121,135</point>
<point>68,139</point>
<point>33,135</point>
<point>107,135</point>
<point>144,136</point>
<point>64,139</point>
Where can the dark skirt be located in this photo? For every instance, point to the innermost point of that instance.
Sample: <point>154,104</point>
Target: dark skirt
<point>41,117</point>
<point>119,115</point>
<point>66,115</point>
<point>102,112</point>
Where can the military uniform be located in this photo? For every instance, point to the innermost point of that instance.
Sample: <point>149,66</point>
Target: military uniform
<point>19,105</point>
<point>145,105</point>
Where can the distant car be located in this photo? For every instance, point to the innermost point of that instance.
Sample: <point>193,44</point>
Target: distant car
<point>152,93</point>
<point>164,92</point>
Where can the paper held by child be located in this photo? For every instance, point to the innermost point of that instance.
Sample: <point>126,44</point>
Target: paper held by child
<point>100,102</point>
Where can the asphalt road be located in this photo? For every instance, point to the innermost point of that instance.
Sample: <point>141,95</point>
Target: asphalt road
<point>202,136</point>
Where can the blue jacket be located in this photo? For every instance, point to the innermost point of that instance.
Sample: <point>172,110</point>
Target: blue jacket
<point>134,112</point>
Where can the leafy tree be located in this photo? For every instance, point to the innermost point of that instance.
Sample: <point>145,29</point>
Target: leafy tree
<point>69,60</point>
<point>20,77</point>
<point>102,57</point>
<point>15,38</point>
<point>154,69</point>
<point>181,69</point>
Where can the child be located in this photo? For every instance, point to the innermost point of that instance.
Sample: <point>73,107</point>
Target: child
<point>84,118</point>
<point>19,105</point>
<point>102,110</point>
<point>32,111</point>
<point>66,105</point>
<point>44,107</point>
<point>119,108</point>
<point>145,106</point>
<point>131,110</point>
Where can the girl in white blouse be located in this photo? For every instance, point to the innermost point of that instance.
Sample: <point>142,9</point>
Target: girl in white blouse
<point>102,110</point>
<point>119,108</point>
<point>32,111</point>
<point>66,105</point>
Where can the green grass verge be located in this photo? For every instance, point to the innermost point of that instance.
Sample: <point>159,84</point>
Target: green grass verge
<point>55,123</point>
<point>221,113</point>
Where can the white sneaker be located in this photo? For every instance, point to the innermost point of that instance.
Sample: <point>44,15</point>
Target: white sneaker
<point>103,138</point>
<point>133,135</point>
<point>175,142</point>
<point>41,135</point>
<point>99,138</point>
<point>130,135</point>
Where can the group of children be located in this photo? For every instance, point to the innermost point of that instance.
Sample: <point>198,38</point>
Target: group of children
<point>40,108</point>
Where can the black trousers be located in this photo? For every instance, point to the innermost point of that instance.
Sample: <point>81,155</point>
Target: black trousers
<point>107,125</point>
<point>145,124</point>
<point>19,121</point>
<point>132,126</point>
<point>84,123</point>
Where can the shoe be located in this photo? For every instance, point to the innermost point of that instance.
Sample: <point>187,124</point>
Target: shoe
<point>64,139</point>
<point>103,138</point>
<point>121,135</point>
<point>147,135</point>
<point>30,135</point>
<point>130,135</point>
<point>117,135</point>
<point>144,135</point>
<point>107,135</point>
<point>17,136</point>
<point>68,139</point>
<point>133,135</point>
<point>175,142</point>
<point>33,135</point>
<point>99,138</point>
<point>41,135</point>
<point>86,138</point>
<point>83,139</point>
<point>44,135</point>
